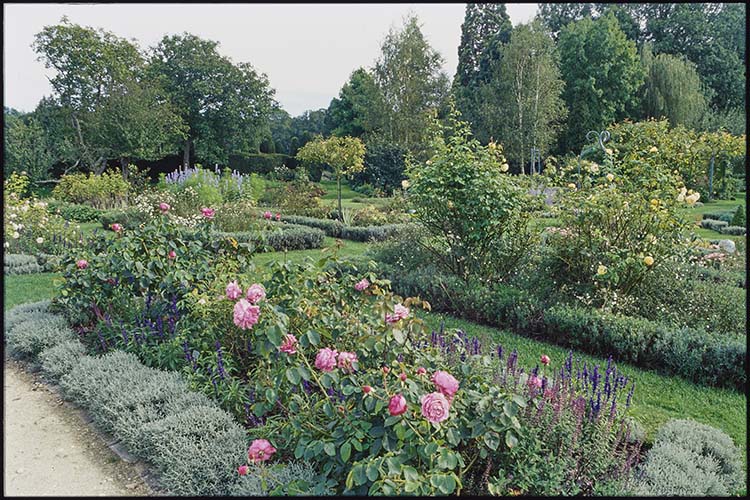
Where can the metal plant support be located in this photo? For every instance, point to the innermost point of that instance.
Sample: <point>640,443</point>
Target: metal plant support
<point>591,136</point>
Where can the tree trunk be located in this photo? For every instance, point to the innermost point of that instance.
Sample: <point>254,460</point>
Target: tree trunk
<point>186,154</point>
<point>124,167</point>
<point>341,213</point>
<point>100,165</point>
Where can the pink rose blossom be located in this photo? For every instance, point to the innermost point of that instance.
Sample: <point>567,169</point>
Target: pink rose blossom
<point>544,359</point>
<point>266,214</point>
<point>278,216</point>
<point>402,377</point>
<point>290,344</point>
<point>255,293</point>
<point>245,314</point>
<point>116,227</point>
<point>346,359</point>
<point>164,207</point>
<point>82,264</point>
<point>233,290</point>
<point>366,389</point>
<point>397,405</point>
<point>208,213</point>
<point>242,470</point>
<point>362,284</point>
<point>326,359</point>
<point>260,450</point>
<point>445,383</point>
<point>172,254</point>
<point>399,312</point>
<point>421,370</point>
<point>435,407</point>
<point>386,370</point>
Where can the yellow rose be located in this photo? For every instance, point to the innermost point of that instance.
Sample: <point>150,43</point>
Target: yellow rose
<point>504,167</point>
<point>610,177</point>
<point>608,150</point>
<point>571,185</point>
<point>601,270</point>
<point>648,260</point>
<point>450,204</point>
<point>405,184</point>
<point>653,149</point>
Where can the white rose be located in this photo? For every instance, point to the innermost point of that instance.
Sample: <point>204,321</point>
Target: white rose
<point>40,240</point>
<point>16,235</point>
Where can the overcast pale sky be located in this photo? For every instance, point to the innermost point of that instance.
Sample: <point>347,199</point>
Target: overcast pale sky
<point>308,51</point>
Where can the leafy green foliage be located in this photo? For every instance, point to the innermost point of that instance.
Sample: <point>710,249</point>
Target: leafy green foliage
<point>106,191</point>
<point>293,478</point>
<point>20,264</point>
<point>60,359</point>
<point>469,207</point>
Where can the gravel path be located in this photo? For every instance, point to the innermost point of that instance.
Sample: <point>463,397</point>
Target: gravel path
<point>50,450</point>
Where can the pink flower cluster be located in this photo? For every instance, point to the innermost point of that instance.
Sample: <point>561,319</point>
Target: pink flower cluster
<point>255,293</point>
<point>362,285</point>
<point>326,360</point>
<point>445,383</point>
<point>267,215</point>
<point>164,207</point>
<point>208,213</point>
<point>397,405</point>
<point>116,227</point>
<point>233,290</point>
<point>399,312</point>
<point>435,407</point>
<point>289,345</point>
<point>715,256</point>
<point>245,314</point>
<point>82,264</point>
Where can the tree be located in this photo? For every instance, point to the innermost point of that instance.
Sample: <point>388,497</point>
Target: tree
<point>88,64</point>
<point>306,127</point>
<point>486,28</point>
<point>280,128</point>
<point>602,75</point>
<point>521,103</point>
<point>672,89</point>
<point>408,73</point>
<point>357,110</point>
<point>556,16</point>
<point>25,147</point>
<point>344,155</point>
<point>225,106</point>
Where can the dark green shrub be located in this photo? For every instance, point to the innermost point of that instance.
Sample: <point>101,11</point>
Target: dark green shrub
<point>127,218</point>
<point>690,459</point>
<point>713,224</point>
<point>336,229</point>
<point>384,169</point>
<point>738,219</point>
<point>39,331</point>
<point>722,216</point>
<point>262,163</point>
<point>733,230</point>
<point>331,227</point>
<point>60,360</point>
<point>74,212</point>
<point>286,237</point>
<point>49,263</point>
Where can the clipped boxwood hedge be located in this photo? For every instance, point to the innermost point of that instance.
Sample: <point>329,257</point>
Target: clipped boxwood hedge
<point>289,237</point>
<point>20,264</point>
<point>336,229</point>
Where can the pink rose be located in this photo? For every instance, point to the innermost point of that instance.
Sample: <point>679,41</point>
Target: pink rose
<point>278,217</point>
<point>421,370</point>
<point>346,359</point>
<point>164,207</point>
<point>445,383</point>
<point>233,290</point>
<point>82,264</point>
<point>386,370</point>
<point>172,254</point>
<point>326,359</point>
<point>242,470</point>
<point>208,213</point>
<point>435,407</point>
<point>116,227</point>
<point>402,377</point>
<point>397,405</point>
<point>245,314</point>
<point>366,389</point>
<point>255,293</point>
<point>544,359</point>
<point>361,285</point>
<point>260,450</point>
<point>399,312</point>
<point>266,214</point>
<point>290,344</point>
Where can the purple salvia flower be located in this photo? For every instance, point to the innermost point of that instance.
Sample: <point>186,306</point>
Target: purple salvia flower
<point>499,352</point>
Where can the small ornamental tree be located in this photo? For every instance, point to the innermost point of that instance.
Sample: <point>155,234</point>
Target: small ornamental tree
<point>344,155</point>
<point>471,210</point>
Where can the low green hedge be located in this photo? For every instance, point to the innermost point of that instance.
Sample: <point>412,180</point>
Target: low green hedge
<point>733,230</point>
<point>127,218</point>
<point>336,229</point>
<point>261,163</point>
<point>720,216</point>
<point>74,212</point>
<point>20,264</point>
<point>289,237</point>
<point>713,224</point>
<point>709,359</point>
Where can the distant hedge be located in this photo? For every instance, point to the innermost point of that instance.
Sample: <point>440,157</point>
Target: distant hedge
<point>336,229</point>
<point>261,163</point>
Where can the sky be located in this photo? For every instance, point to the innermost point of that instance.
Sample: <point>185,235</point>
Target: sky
<point>308,51</point>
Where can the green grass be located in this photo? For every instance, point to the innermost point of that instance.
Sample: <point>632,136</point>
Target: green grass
<point>656,399</point>
<point>348,249</point>
<point>347,196</point>
<point>23,288</point>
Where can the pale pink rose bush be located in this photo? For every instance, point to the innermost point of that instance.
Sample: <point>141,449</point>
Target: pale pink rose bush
<point>245,314</point>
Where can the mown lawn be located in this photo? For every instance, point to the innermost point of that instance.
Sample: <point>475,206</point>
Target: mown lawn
<point>23,288</point>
